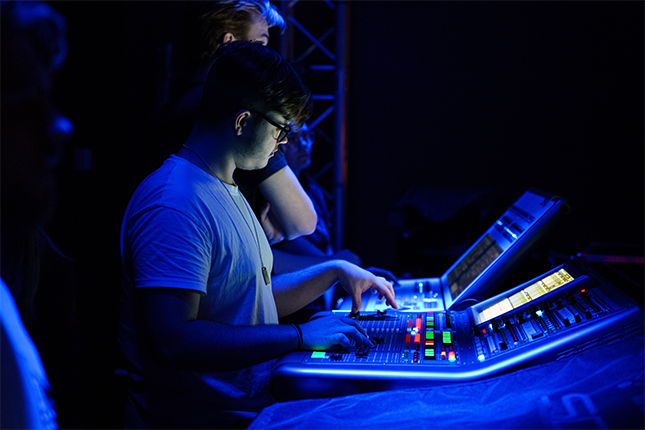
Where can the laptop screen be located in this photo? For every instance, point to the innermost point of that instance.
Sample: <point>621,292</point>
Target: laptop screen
<point>511,238</point>
<point>475,262</point>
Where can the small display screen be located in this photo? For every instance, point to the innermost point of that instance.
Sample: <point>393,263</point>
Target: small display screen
<point>526,295</point>
<point>477,260</point>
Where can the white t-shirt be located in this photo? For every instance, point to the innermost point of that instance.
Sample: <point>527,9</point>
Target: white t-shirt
<point>186,229</point>
<point>25,399</point>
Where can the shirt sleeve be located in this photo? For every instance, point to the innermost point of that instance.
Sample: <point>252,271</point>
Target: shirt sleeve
<point>169,249</point>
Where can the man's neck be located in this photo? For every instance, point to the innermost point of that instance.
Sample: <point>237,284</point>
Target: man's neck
<point>214,158</point>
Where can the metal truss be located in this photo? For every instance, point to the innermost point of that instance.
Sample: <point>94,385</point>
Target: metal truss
<point>316,44</point>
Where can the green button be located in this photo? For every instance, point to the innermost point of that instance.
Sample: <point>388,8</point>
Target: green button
<point>446,337</point>
<point>429,335</point>
<point>318,354</point>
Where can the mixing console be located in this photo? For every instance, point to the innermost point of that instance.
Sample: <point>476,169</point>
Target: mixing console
<point>401,338</point>
<point>563,312</point>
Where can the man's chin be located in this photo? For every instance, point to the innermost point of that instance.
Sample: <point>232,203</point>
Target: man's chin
<point>253,167</point>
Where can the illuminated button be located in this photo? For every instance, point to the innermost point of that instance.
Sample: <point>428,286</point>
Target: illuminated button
<point>429,338</point>
<point>451,356</point>
<point>481,357</point>
<point>430,319</point>
<point>407,341</point>
<point>318,354</point>
<point>417,341</point>
<point>429,354</point>
<point>446,337</point>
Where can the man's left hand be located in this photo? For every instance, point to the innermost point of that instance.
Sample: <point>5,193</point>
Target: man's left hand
<point>356,281</point>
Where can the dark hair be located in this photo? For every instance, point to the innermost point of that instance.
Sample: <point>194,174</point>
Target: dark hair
<point>248,75</point>
<point>207,22</point>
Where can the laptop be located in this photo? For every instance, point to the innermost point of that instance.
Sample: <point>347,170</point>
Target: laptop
<point>476,274</point>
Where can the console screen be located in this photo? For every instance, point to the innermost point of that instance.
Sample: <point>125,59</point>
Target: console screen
<point>532,292</point>
<point>477,260</point>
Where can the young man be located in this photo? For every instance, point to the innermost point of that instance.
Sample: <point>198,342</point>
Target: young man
<point>208,25</point>
<point>200,325</point>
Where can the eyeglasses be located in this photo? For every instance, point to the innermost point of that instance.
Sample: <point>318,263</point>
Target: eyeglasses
<point>284,129</point>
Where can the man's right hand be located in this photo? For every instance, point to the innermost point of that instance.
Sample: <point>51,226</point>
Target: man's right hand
<point>323,333</point>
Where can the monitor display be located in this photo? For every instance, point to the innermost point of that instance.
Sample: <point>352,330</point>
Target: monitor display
<point>477,260</point>
<point>537,289</point>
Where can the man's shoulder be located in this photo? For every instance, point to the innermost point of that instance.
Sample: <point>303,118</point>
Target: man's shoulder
<point>178,185</point>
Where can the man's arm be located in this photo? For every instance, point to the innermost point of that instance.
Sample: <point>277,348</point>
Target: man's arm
<point>285,262</point>
<point>289,202</point>
<point>293,291</point>
<point>177,338</point>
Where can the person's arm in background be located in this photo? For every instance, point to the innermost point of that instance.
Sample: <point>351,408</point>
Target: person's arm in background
<point>289,204</point>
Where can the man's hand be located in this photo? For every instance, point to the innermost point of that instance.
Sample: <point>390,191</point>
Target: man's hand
<point>323,333</point>
<point>270,225</point>
<point>356,281</point>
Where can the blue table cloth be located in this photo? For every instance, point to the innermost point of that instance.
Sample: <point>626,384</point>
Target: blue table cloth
<point>598,389</point>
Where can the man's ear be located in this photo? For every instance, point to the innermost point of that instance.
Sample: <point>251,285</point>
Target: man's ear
<point>241,121</point>
<point>228,37</point>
